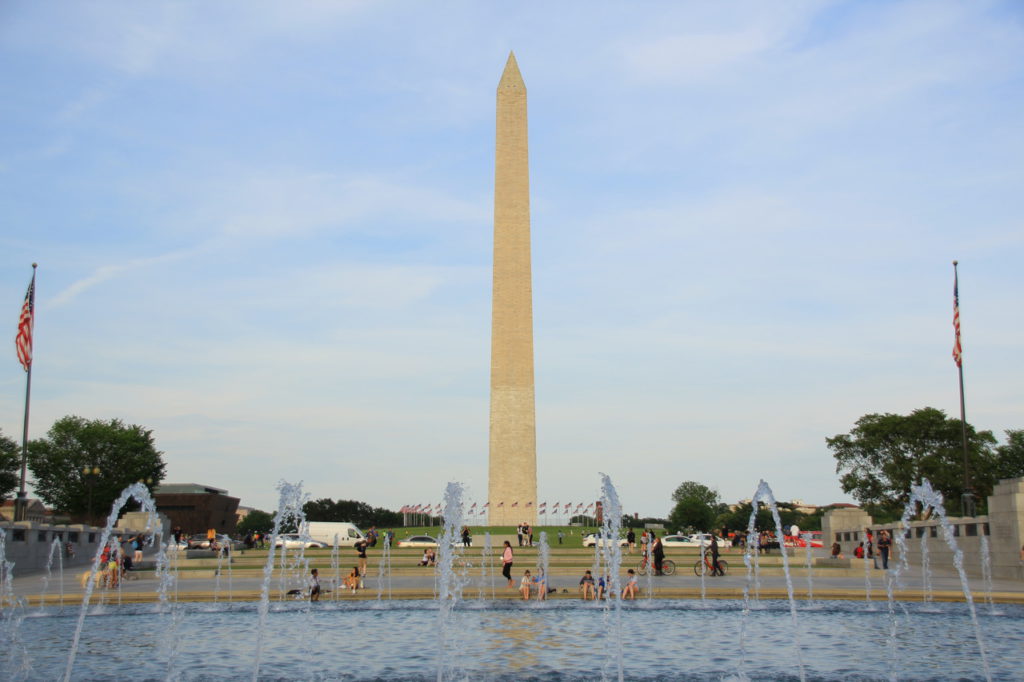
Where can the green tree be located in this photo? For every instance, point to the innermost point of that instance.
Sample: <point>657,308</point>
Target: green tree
<point>696,507</point>
<point>353,511</point>
<point>256,520</point>
<point>885,454</point>
<point>10,466</point>
<point>123,454</point>
<point>1010,456</point>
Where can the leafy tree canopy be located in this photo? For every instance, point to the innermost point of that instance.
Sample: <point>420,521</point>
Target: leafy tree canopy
<point>739,518</point>
<point>124,454</point>
<point>359,513</point>
<point>256,520</point>
<point>1010,457</point>
<point>10,466</point>
<point>696,507</point>
<point>885,453</point>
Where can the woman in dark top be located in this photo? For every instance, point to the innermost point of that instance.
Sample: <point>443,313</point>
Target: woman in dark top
<point>658,554</point>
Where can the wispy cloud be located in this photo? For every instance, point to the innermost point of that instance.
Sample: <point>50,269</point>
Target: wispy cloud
<point>106,273</point>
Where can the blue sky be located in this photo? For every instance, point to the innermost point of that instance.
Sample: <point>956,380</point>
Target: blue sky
<point>264,231</point>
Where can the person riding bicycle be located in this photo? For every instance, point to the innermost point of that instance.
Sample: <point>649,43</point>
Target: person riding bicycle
<point>716,568</point>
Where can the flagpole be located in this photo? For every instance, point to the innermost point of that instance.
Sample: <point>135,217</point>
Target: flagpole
<point>21,503</point>
<point>967,501</point>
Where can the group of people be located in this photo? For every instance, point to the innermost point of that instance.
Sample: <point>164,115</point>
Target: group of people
<point>525,534</point>
<point>602,587</point>
<point>534,585</point>
<point>117,559</point>
<point>867,549</point>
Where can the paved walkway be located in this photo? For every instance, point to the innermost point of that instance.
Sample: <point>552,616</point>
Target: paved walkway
<point>945,586</point>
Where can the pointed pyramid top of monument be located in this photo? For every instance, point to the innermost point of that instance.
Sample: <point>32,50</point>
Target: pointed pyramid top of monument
<point>510,77</point>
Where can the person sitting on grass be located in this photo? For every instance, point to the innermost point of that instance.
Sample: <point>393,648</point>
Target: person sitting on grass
<point>525,584</point>
<point>630,590</point>
<point>587,585</point>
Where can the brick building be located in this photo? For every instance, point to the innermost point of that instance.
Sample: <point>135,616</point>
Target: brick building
<point>195,508</point>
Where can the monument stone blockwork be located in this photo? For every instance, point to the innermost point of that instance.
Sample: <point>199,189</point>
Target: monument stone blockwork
<point>512,479</point>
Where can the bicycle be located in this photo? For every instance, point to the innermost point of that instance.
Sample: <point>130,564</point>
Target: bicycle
<point>704,567</point>
<point>668,567</point>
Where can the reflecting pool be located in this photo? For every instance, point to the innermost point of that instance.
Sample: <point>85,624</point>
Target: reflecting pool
<point>509,640</point>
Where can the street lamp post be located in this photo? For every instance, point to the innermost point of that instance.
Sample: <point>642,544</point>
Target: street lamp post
<point>90,473</point>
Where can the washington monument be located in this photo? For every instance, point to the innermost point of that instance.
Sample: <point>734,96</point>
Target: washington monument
<point>512,481</point>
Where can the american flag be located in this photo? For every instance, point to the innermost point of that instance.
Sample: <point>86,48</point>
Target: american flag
<point>957,348</point>
<point>23,340</point>
<point>486,505</point>
<point>515,504</point>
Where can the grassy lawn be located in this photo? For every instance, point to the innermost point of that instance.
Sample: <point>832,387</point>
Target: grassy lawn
<point>573,534</point>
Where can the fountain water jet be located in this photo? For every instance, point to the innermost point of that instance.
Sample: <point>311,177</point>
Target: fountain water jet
<point>289,510</point>
<point>384,567</point>
<point>809,565</point>
<point>764,493</point>
<point>140,493</point>
<point>451,581</point>
<point>928,497</point>
<point>55,547</point>
<point>611,527</point>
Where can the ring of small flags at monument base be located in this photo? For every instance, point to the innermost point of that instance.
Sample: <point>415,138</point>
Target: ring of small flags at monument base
<point>476,510</point>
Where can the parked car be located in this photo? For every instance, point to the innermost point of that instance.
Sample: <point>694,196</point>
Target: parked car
<point>591,540</point>
<point>296,541</point>
<point>418,541</point>
<point>198,541</point>
<point>693,541</point>
<point>706,539</point>
<point>679,541</point>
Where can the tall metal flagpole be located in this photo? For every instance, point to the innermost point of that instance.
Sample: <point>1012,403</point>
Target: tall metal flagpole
<point>967,499</point>
<point>24,343</point>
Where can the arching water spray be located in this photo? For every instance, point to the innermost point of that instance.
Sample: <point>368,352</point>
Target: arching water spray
<point>55,549</point>
<point>928,497</point>
<point>764,494</point>
<point>140,494</point>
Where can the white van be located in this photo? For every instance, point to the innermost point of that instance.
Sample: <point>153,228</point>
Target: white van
<point>325,531</point>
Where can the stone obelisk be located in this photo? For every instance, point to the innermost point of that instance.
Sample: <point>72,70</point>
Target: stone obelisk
<point>512,484</point>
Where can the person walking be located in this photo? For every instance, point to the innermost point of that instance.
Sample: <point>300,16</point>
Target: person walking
<point>884,545</point>
<point>716,568</point>
<point>361,555</point>
<point>506,563</point>
<point>631,540</point>
<point>137,543</point>
<point>657,553</point>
